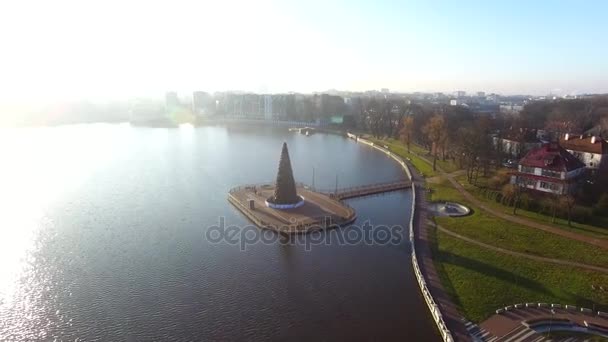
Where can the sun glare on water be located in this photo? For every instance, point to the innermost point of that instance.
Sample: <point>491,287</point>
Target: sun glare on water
<point>40,167</point>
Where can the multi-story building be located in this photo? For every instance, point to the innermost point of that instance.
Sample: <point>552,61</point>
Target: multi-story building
<point>267,107</point>
<point>171,100</point>
<point>511,108</point>
<point>252,106</point>
<point>592,151</point>
<point>516,143</point>
<point>549,168</point>
<point>201,102</point>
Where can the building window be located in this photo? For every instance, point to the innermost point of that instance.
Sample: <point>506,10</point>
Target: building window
<point>526,182</point>
<point>527,169</point>
<point>551,173</point>
<point>549,186</point>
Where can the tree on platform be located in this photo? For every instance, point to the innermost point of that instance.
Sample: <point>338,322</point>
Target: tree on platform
<point>285,186</point>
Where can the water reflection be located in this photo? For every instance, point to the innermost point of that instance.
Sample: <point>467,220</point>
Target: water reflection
<point>103,232</point>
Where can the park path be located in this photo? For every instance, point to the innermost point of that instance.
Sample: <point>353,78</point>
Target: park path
<point>451,315</point>
<point>437,179</point>
<point>519,254</point>
<point>602,243</point>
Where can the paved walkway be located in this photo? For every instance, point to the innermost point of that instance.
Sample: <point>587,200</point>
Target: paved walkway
<point>438,179</point>
<point>602,243</point>
<point>508,325</point>
<point>523,255</point>
<point>448,308</point>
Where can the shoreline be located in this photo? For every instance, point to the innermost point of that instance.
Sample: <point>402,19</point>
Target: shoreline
<point>434,308</point>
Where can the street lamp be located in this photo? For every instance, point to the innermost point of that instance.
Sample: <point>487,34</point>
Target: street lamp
<point>551,322</point>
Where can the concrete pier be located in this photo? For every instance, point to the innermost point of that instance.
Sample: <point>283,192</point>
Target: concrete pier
<point>318,212</point>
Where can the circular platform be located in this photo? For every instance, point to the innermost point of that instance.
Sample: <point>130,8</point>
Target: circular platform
<point>316,211</point>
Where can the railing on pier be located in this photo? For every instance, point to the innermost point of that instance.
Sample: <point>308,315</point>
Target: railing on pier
<point>365,190</point>
<point>343,193</point>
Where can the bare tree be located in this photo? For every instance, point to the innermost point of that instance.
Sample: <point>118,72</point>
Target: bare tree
<point>567,203</point>
<point>407,131</point>
<point>436,132</point>
<point>388,119</point>
<point>374,117</point>
<point>508,193</point>
<point>511,193</point>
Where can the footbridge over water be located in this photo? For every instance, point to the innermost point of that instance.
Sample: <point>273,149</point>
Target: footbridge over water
<point>366,190</point>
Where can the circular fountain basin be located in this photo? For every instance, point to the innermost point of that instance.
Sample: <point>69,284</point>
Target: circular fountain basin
<point>449,209</point>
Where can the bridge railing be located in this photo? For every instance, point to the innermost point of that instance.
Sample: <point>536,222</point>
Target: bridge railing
<point>385,185</point>
<point>380,185</point>
<point>261,185</point>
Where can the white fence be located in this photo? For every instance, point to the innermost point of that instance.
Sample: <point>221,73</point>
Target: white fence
<point>433,307</point>
<point>567,307</point>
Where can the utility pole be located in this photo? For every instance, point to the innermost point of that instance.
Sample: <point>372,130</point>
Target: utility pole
<point>336,192</point>
<point>551,322</point>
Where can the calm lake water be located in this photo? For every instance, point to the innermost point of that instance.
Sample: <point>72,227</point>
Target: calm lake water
<point>103,237</point>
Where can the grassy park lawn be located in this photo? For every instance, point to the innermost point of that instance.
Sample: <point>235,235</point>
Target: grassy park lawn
<point>447,166</point>
<point>501,233</point>
<point>397,147</point>
<point>480,280</point>
<point>585,229</point>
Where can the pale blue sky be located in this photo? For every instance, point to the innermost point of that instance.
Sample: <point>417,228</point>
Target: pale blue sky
<point>109,48</point>
<point>507,46</point>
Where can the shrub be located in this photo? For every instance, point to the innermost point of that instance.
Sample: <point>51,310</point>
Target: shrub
<point>498,181</point>
<point>581,214</point>
<point>525,201</point>
<point>601,208</point>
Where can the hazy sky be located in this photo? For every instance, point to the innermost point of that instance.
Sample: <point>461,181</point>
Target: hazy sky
<point>61,48</point>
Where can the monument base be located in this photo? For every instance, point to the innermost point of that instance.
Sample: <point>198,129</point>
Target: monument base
<point>285,206</point>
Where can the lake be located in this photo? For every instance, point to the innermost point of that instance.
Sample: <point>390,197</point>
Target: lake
<point>105,237</point>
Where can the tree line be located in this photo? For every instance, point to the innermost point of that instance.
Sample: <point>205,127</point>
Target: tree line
<point>463,137</point>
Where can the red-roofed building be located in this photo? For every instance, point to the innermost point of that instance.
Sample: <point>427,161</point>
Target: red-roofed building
<point>549,168</point>
<point>592,151</point>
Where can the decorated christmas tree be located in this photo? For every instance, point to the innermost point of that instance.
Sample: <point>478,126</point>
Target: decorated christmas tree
<point>285,187</point>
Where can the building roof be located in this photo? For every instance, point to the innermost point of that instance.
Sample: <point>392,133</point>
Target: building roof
<point>598,130</point>
<point>576,143</point>
<point>521,135</point>
<point>551,157</point>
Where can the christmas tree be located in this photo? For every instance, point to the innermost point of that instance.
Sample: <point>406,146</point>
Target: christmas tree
<point>285,187</point>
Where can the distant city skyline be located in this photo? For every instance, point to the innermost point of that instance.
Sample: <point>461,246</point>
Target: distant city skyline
<point>71,49</point>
